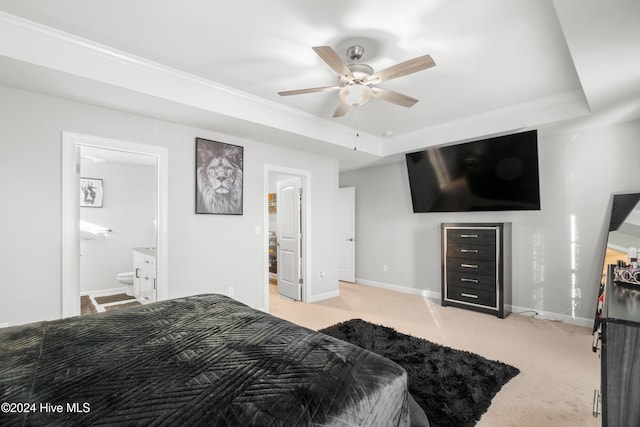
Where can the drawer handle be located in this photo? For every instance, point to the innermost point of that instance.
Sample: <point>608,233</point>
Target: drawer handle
<point>469,295</point>
<point>469,251</point>
<point>464,279</point>
<point>469,265</point>
<point>469,236</point>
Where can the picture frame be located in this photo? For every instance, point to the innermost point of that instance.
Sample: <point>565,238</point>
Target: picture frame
<point>91,192</point>
<point>219,177</point>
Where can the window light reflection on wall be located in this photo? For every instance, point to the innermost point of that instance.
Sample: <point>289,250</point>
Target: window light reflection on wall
<point>89,230</point>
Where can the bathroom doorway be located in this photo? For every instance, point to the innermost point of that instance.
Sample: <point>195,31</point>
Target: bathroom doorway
<point>117,229</point>
<point>101,224</point>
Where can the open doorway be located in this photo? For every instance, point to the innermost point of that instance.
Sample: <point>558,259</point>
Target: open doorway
<point>73,147</point>
<point>287,237</point>
<point>117,229</point>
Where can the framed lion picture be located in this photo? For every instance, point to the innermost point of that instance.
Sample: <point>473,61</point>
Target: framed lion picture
<point>218,177</point>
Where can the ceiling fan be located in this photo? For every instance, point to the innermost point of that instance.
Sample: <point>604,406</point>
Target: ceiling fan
<point>357,82</point>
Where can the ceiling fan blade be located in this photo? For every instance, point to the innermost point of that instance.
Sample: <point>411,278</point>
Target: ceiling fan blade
<point>402,69</point>
<point>341,109</point>
<point>393,97</point>
<point>310,90</point>
<point>332,59</point>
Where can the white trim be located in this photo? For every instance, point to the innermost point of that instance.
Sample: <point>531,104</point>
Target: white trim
<point>404,289</point>
<point>307,236</point>
<point>553,317</point>
<point>97,62</point>
<point>524,311</point>
<point>105,292</point>
<point>324,296</point>
<point>70,229</point>
<point>71,143</point>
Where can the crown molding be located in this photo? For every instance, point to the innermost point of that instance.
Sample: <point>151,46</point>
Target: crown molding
<point>515,118</point>
<point>36,44</point>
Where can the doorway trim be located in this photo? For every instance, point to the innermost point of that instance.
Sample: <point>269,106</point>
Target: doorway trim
<point>71,144</point>
<point>307,238</point>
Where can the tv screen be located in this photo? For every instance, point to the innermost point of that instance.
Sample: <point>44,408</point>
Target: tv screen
<point>494,174</point>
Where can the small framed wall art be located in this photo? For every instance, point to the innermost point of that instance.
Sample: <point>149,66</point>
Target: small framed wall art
<point>91,192</point>
<point>218,177</point>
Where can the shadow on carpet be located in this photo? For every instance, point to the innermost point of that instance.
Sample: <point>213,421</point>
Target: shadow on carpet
<point>453,387</point>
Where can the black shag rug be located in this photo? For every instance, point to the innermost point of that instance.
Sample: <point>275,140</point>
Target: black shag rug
<point>453,387</point>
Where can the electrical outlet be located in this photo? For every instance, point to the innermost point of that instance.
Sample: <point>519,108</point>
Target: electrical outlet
<point>323,274</point>
<point>385,268</point>
<point>231,291</point>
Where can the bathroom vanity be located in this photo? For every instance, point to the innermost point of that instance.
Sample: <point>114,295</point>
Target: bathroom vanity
<point>144,273</point>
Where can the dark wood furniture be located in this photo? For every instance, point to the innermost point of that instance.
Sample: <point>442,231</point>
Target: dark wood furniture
<point>476,266</point>
<point>619,334</point>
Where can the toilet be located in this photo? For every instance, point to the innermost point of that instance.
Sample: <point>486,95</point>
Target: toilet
<point>126,278</point>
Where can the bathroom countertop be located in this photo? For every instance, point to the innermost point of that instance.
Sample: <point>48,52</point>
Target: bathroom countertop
<point>146,251</point>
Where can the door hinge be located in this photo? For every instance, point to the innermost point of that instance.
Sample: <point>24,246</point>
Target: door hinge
<point>300,281</point>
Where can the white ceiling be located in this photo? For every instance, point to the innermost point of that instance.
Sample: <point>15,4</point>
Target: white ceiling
<point>501,65</point>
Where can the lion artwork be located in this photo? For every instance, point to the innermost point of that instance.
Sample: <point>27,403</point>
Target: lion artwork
<point>219,178</point>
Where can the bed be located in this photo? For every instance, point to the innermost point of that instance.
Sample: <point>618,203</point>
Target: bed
<point>198,360</point>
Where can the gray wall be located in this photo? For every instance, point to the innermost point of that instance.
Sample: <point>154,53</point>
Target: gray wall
<point>557,251</point>
<point>207,253</point>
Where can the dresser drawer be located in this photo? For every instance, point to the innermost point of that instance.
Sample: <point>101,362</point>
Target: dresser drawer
<point>472,236</point>
<point>471,281</point>
<point>456,293</point>
<point>476,271</point>
<point>471,250</point>
<point>471,266</point>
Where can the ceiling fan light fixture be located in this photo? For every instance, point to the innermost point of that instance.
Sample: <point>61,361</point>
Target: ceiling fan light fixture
<point>360,71</point>
<point>357,82</point>
<point>356,94</point>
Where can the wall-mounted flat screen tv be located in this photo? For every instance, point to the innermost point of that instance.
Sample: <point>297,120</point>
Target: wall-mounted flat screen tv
<point>494,174</point>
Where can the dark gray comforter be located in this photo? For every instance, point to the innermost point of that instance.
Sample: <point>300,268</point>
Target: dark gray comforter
<point>200,360</point>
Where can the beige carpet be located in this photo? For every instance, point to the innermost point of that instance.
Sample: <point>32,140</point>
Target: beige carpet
<point>558,369</point>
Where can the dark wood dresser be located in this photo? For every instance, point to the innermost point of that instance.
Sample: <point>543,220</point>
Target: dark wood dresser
<point>476,266</point>
<point>619,333</point>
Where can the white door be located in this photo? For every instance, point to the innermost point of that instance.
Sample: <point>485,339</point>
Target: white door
<point>289,232</point>
<point>347,231</point>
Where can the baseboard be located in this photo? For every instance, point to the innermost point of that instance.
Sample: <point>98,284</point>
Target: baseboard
<point>105,292</point>
<point>551,316</point>
<point>324,296</point>
<point>525,311</point>
<point>404,289</point>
